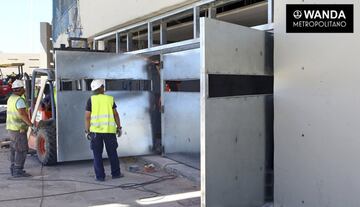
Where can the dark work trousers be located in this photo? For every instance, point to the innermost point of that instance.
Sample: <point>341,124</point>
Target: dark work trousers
<point>18,149</point>
<point>97,146</point>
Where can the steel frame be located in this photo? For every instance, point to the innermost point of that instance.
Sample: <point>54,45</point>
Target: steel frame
<point>195,8</point>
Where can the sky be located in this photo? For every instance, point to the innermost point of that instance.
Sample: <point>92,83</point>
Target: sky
<point>20,24</point>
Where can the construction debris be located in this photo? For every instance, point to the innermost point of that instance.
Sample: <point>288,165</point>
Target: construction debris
<point>133,168</point>
<point>5,144</point>
<point>149,168</point>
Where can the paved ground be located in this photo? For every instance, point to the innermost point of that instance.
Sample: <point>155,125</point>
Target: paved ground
<point>177,168</point>
<point>73,184</point>
<point>3,133</point>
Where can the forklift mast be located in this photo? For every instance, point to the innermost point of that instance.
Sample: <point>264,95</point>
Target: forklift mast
<point>50,73</point>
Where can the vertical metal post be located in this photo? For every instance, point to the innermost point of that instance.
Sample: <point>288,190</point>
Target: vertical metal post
<point>95,45</point>
<point>212,12</point>
<point>162,94</point>
<point>83,85</point>
<point>70,43</point>
<point>129,41</point>
<point>52,100</point>
<point>73,85</point>
<point>150,34</point>
<point>270,11</point>
<point>117,44</point>
<point>196,22</point>
<point>163,33</point>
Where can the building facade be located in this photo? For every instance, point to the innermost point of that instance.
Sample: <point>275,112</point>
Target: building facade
<point>75,18</point>
<point>31,60</point>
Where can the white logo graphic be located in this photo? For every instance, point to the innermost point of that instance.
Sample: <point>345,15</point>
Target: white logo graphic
<point>297,14</point>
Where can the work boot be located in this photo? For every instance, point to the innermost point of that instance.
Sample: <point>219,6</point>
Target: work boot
<point>100,179</point>
<point>12,170</point>
<point>117,176</point>
<point>18,172</point>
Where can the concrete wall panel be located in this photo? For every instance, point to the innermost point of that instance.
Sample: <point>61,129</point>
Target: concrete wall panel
<point>234,129</point>
<point>317,114</point>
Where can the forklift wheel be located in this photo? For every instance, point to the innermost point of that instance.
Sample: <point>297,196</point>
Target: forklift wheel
<point>46,144</point>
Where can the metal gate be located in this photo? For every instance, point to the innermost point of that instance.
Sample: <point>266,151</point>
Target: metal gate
<point>181,117</point>
<point>236,114</point>
<point>125,77</point>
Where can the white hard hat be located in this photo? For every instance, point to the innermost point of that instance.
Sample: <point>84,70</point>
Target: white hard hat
<point>18,84</point>
<point>95,84</point>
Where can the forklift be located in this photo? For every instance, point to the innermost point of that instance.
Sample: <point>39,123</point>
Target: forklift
<point>42,140</point>
<point>42,101</point>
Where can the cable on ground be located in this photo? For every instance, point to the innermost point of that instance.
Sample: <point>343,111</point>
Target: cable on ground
<point>126,186</point>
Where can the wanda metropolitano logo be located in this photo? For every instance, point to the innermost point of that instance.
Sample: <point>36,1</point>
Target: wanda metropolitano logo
<point>297,14</point>
<point>319,18</point>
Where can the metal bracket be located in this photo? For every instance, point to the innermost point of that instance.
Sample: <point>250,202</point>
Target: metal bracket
<point>161,65</point>
<point>162,110</point>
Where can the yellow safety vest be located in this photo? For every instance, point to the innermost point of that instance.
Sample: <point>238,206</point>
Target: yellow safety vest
<point>13,118</point>
<point>102,115</point>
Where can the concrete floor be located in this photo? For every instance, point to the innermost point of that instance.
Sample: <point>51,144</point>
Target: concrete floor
<point>3,133</point>
<point>73,184</point>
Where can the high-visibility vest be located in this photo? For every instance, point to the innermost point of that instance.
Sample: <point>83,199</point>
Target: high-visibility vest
<point>13,118</point>
<point>102,115</point>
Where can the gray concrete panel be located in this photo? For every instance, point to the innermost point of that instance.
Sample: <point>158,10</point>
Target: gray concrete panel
<point>182,65</point>
<point>234,130</point>
<point>181,122</point>
<point>133,110</point>
<point>238,50</point>
<point>70,127</point>
<point>133,106</point>
<point>317,114</point>
<point>234,151</point>
<point>91,65</point>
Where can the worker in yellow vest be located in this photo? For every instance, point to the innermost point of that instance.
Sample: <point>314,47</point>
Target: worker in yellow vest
<point>17,123</point>
<point>102,124</point>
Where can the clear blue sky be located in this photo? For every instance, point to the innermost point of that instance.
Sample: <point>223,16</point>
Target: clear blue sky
<point>20,24</point>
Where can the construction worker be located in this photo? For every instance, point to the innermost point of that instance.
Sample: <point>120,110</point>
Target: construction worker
<point>102,124</point>
<point>17,123</point>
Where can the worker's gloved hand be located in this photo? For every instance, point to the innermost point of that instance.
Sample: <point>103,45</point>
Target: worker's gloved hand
<point>33,129</point>
<point>119,132</point>
<point>87,135</point>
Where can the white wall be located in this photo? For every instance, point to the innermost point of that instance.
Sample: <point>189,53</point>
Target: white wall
<point>98,15</point>
<point>322,102</point>
<point>31,60</point>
